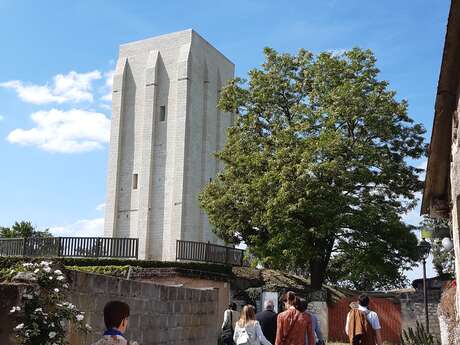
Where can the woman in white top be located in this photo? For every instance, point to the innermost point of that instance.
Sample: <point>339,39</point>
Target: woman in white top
<point>247,330</point>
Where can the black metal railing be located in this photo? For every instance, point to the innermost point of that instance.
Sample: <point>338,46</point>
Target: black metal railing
<point>94,247</point>
<point>207,252</point>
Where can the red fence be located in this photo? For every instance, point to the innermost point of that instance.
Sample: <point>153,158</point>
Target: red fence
<point>388,311</point>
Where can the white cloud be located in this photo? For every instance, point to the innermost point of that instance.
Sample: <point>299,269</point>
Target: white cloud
<point>71,87</point>
<point>81,228</point>
<point>108,86</point>
<point>69,131</point>
<point>100,207</point>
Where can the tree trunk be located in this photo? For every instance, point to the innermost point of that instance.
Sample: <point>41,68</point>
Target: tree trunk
<point>317,273</point>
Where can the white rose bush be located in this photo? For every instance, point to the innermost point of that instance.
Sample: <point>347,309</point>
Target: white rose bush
<point>44,314</point>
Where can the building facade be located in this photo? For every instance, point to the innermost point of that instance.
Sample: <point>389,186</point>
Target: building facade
<point>165,129</point>
<point>441,195</point>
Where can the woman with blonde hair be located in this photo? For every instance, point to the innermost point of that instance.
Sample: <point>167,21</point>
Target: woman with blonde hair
<point>247,330</point>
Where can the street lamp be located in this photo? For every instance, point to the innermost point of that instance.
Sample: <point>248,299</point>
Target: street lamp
<point>424,250</point>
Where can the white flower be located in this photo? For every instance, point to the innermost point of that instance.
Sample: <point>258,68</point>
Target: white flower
<point>38,310</point>
<point>88,327</point>
<point>36,270</point>
<point>47,269</point>
<point>65,286</point>
<point>15,309</point>
<point>57,272</point>
<point>80,317</point>
<point>60,278</point>
<point>27,296</point>
<point>52,335</point>
<point>56,290</point>
<point>20,326</point>
<point>28,264</point>
<point>50,278</point>
<point>45,263</point>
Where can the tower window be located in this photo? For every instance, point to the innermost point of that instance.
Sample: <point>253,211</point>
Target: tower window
<point>162,113</point>
<point>135,180</point>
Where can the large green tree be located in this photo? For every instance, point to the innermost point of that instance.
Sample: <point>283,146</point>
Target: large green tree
<point>316,169</point>
<point>23,229</point>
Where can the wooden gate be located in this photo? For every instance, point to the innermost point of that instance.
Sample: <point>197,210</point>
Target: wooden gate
<point>388,310</point>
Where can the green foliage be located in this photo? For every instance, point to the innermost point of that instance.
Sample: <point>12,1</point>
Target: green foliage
<point>443,261</point>
<point>418,337</point>
<point>6,263</point>
<point>43,315</point>
<point>115,271</point>
<point>316,167</point>
<point>23,229</point>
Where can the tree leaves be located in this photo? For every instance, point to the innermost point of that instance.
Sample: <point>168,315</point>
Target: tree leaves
<point>316,168</point>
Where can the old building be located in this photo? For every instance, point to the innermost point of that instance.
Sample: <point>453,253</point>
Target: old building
<point>165,129</point>
<point>441,197</point>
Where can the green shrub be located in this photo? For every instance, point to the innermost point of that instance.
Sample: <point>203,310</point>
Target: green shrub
<point>115,271</point>
<point>11,261</point>
<point>418,337</point>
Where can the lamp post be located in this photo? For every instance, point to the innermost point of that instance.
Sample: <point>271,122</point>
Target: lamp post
<point>424,249</point>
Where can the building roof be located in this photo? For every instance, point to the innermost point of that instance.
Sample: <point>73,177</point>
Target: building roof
<point>436,190</point>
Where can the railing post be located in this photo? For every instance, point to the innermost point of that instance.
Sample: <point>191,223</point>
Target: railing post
<point>226,255</point>
<point>24,245</point>
<point>59,246</point>
<point>206,252</point>
<point>137,249</point>
<point>98,244</point>
<point>177,249</point>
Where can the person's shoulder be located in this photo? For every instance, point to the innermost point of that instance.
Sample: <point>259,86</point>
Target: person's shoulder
<point>111,341</point>
<point>373,314</point>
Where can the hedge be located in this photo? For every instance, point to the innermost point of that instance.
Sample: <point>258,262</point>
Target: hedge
<point>10,261</point>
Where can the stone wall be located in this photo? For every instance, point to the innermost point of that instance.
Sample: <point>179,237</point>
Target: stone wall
<point>159,314</point>
<point>176,277</point>
<point>413,306</point>
<point>9,296</point>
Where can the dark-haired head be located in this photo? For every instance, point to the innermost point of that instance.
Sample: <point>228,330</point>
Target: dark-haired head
<point>301,305</point>
<point>116,315</point>
<point>363,300</point>
<point>232,306</point>
<point>289,298</point>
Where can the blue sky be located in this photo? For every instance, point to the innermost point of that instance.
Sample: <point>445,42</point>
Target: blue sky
<point>55,77</point>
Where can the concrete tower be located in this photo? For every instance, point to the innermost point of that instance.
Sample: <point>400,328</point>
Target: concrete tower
<point>165,128</point>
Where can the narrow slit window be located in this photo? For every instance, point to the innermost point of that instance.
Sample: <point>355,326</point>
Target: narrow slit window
<point>162,113</point>
<point>135,180</point>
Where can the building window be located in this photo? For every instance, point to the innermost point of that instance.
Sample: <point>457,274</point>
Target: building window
<point>163,113</point>
<point>135,180</point>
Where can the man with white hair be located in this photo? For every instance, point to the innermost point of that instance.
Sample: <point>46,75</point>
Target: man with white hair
<point>267,320</point>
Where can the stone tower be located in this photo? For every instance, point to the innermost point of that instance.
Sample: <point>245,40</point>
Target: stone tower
<point>165,129</point>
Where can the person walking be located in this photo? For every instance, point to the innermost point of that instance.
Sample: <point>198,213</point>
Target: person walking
<point>267,320</point>
<point>247,329</point>
<point>363,325</point>
<point>294,326</point>
<point>315,325</point>
<point>231,316</point>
